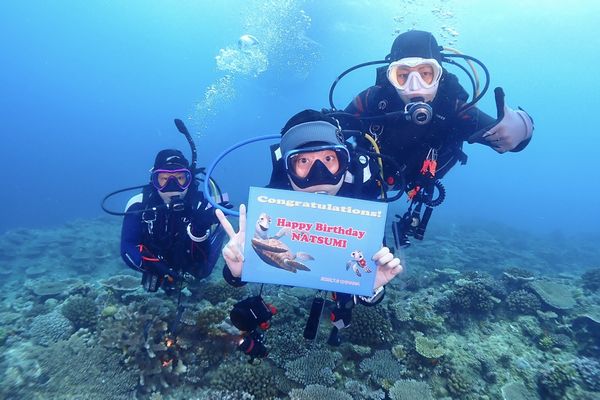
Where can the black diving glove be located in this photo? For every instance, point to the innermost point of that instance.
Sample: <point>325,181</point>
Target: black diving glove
<point>201,220</point>
<point>154,265</point>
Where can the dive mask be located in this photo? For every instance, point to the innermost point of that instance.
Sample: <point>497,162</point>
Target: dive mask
<point>171,180</point>
<point>415,77</point>
<point>319,165</point>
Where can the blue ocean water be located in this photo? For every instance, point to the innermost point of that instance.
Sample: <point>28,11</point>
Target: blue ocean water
<point>90,89</point>
<point>497,302</point>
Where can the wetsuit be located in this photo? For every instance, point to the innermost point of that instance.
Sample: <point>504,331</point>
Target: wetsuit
<point>409,143</point>
<point>163,235</point>
<point>357,185</point>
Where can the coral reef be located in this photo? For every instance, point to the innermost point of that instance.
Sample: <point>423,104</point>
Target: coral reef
<point>591,279</point>
<point>554,294</point>
<point>517,391</point>
<point>554,381</point>
<point>141,333</point>
<point>589,370</point>
<point>360,391</point>
<point>216,292</point>
<point>523,302</point>
<point>316,367</point>
<point>89,371</point>
<point>50,328</point>
<point>81,311</point>
<point>382,368</point>
<point>428,348</point>
<point>257,380</point>
<point>410,390</point>
<point>75,368</point>
<point>370,326</point>
<point>467,326</point>
<point>312,392</point>
<point>471,298</point>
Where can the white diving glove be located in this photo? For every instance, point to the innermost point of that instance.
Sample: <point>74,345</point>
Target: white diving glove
<point>511,128</point>
<point>233,252</point>
<point>515,127</point>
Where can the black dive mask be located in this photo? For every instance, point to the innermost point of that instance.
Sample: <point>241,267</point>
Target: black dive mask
<point>318,174</point>
<point>172,186</point>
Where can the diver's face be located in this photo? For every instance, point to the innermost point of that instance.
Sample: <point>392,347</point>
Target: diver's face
<point>425,71</point>
<point>303,162</point>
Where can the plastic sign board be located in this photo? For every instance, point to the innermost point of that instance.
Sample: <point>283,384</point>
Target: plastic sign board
<point>312,240</point>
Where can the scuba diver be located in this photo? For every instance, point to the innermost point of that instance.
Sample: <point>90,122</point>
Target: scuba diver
<point>171,243</point>
<point>170,233</point>
<point>417,114</point>
<point>313,157</point>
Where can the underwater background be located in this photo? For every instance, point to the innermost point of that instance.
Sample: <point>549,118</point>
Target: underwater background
<point>500,301</point>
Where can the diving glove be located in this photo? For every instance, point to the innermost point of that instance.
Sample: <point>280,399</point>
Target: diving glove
<point>154,265</point>
<point>511,131</point>
<point>514,128</point>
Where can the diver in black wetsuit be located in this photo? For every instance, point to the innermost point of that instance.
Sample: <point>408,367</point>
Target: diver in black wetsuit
<point>417,113</point>
<point>315,159</point>
<point>168,230</point>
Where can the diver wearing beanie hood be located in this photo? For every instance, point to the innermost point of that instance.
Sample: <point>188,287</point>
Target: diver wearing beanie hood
<point>315,159</point>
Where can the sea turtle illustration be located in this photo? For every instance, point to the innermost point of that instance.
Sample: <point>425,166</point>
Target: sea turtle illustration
<point>273,251</point>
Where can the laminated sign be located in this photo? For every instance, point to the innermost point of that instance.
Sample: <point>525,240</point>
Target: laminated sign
<point>312,240</point>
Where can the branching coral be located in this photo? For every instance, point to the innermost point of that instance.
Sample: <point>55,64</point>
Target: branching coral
<point>523,302</point>
<point>410,390</point>
<point>141,333</point>
<point>589,370</point>
<point>370,326</point>
<point>88,370</point>
<point>360,391</point>
<point>49,328</point>
<point>383,368</point>
<point>471,297</point>
<point>258,380</point>
<point>285,345</point>
<point>312,392</point>
<point>315,367</point>
<point>554,381</point>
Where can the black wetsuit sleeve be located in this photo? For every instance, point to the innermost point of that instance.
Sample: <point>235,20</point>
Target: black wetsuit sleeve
<point>131,238</point>
<point>360,104</point>
<point>472,121</point>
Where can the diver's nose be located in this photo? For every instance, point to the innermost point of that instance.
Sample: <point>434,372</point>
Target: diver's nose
<point>413,81</point>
